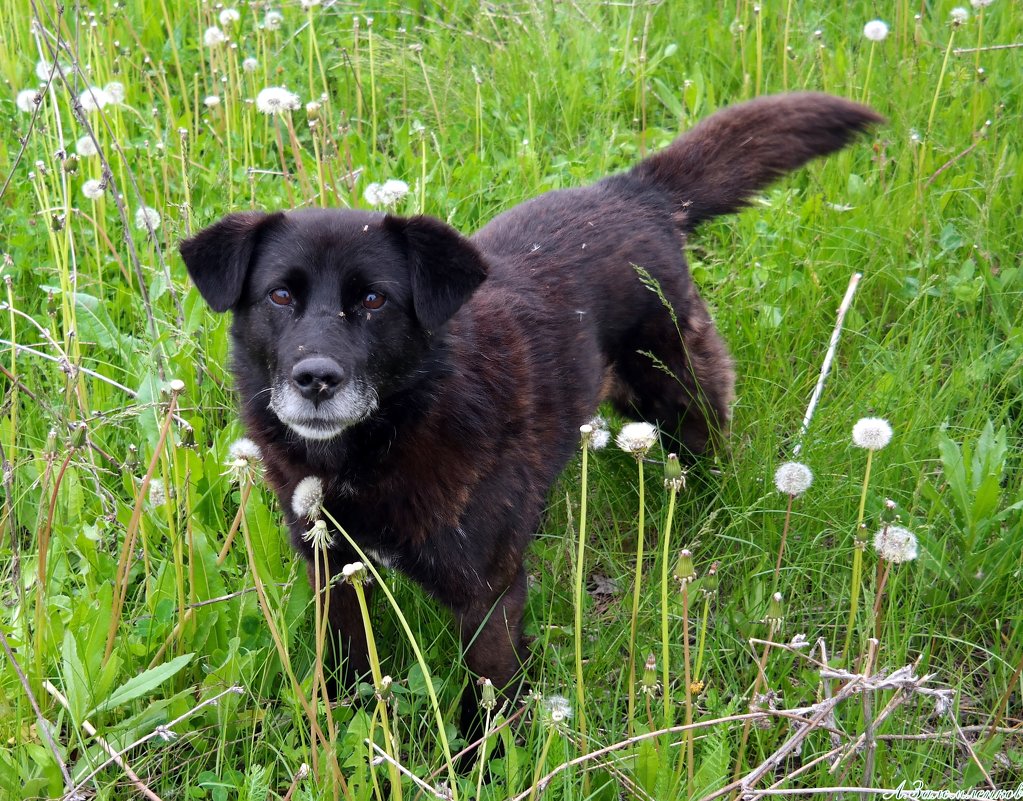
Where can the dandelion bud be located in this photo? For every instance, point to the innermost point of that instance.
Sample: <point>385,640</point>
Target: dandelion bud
<point>131,462</point>
<point>78,435</point>
<point>187,437</point>
<point>709,585</point>
<point>649,685</point>
<point>70,164</point>
<point>674,476</point>
<point>312,110</point>
<point>488,695</point>
<point>775,611</point>
<point>51,443</point>
<point>383,689</point>
<point>685,572</point>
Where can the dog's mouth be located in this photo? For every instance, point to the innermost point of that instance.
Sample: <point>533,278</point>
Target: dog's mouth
<point>327,419</point>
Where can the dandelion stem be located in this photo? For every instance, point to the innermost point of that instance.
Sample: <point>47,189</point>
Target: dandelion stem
<point>857,568</point>
<point>669,709</point>
<point>580,692</point>
<point>637,586</point>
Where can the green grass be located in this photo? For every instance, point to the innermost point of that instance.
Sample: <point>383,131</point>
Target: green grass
<point>477,107</point>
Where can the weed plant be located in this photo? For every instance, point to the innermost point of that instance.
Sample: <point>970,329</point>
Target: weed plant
<point>159,637</point>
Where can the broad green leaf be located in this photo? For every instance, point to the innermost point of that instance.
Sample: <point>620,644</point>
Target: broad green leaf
<point>142,684</point>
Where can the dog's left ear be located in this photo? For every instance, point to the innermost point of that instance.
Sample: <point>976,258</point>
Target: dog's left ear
<point>445,267</point>
<point>218,257</point>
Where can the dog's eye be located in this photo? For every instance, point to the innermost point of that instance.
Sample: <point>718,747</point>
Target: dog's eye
<point>373,301</point>
<point>280,296</point>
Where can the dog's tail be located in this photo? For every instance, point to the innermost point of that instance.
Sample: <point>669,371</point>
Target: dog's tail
<point>717,166</point>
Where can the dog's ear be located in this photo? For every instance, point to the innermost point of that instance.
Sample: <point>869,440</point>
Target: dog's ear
<point>218,257</point>
<point>444,267</point>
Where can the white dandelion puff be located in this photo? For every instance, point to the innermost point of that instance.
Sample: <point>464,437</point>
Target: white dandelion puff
<point>250,64</point>
<point>386,194</point>
<point>636,438</point>
<point>793,478</point>
<point>959,15</point>
<point>557,708</point>
<point>876,30</point>
<point>895,544</point>
<point>229,16</point>
<point>157,492</point>
<point>277,100</point>
<point>211,101</point>
<point>244,448</point>
<point>310,3</point>
<point>115,91</point>
<point>86,147</point>
<point>94,98</point>
<point>43,68</point>
<point>979,4</point>
<point>93,189</point>
<point>307,500</point>
<point>147,218</point>
<point>871,433</point>
<point>273,20</point>
<point>27,100</point>
<point>600,436</point>
<point>213,37</point>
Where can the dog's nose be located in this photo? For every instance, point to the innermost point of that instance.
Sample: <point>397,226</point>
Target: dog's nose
<point>317,378</point>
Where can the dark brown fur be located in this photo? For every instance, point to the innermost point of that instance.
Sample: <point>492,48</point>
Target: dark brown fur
<point>482,384</point>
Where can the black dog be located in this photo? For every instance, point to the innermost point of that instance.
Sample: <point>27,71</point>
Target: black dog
<point>436,383</point>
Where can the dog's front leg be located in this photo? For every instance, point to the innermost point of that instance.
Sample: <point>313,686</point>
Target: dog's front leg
<point>347,658</point>
<point>491,632</point>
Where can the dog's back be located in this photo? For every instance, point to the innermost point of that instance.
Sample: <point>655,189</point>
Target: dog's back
<point>574,253</point>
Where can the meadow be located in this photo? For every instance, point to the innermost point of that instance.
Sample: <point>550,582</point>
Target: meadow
<point>697,636</point>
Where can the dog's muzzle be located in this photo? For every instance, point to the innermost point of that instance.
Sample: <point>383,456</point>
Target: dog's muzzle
<point>317,378</point>
<point>318,401</point>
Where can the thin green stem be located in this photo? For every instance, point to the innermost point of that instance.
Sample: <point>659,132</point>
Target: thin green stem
<point>637,587</point>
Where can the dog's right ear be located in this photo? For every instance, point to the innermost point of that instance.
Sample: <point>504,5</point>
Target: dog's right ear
<point>218,257</point>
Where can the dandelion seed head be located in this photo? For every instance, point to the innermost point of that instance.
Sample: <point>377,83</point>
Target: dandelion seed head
<point>94,98</point>
<point>895,544</point>
<point>636,438</point>
<point>273,20</point>
<point>557,708</point>
<point>386,194</point>
<point>157,492</point>
<point>793,478</point>
<point>876,30</point>
<point>147,218</point>
<point>307,4</point>
<point>27,99</point>
<point>211,101</point>
<point>872,433</point>
<point>116,91</point>
<point>959,15</point>
<point>93,189</point>
<point>250,64</point>
<point>307,499</point>
<point>85,147</point>
<point>229,16</point>
<point>244,448</point>
<point>277,100</point>
<point>600,435</point>
<point>213,37</point>
<point>979,4</point>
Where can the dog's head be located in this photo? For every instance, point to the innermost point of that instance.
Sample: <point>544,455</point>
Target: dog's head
<point>334,310</point>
